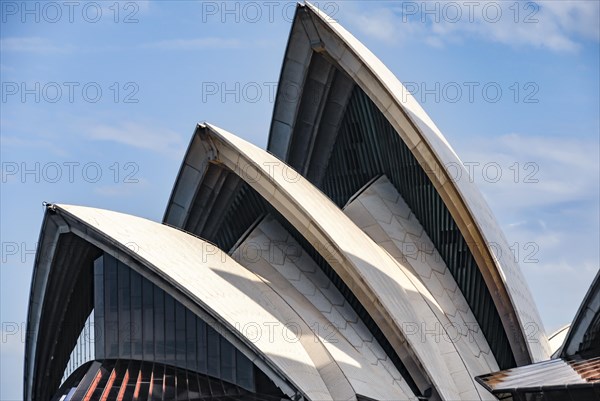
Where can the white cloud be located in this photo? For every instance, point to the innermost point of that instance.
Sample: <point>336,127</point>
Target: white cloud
<point>32,45</point>
<point>552,224</point>
<point>580,17</point>
<point>560,169</point>
<point>554,25</point>
<point>16,142</point>
<point>195,43</point>
<point>139,136</point>
<point>379,23</point>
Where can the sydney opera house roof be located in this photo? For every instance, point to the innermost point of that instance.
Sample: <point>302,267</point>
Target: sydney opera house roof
<point>341,263</point>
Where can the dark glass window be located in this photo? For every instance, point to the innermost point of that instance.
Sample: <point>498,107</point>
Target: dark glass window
<point>170,329</point>
<point>244,371</point>
<point>99,307</point>
<point>148,319</point>
<point>124,312</point>
<point>111,308</point>
<point>227,361</point>
<point>159,325</point>
<point>202,351</point>
<point>136,316</point>
<point>180,335</point>
<point>190,335</point>
<point>214,352</point>
<point>140,321</point>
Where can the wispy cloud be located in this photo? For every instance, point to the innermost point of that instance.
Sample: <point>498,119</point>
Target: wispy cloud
<point>379,23</point>
<point>194,43</point>
<point>554,25</point>
<point>550,170</point>
<point>33,45</point>
<point>16,142</point>
<point>139,136</point>
<point>552,224</point>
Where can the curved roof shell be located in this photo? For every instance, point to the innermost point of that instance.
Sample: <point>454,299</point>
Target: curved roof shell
<point>196,273</point>
<point>308,113</point>
<point>389,291</point>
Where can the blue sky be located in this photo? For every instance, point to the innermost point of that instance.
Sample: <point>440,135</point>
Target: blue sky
<point>99,100</point>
